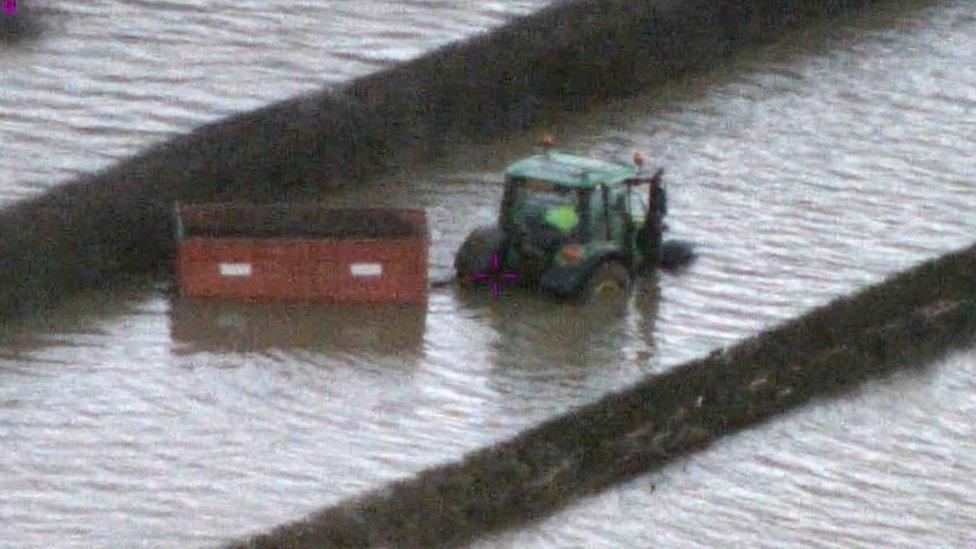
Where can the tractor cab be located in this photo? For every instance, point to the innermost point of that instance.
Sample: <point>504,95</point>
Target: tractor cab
<point>572,224</point>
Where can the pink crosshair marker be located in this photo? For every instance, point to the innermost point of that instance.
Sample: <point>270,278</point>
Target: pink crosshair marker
<point>496,276</point>
<point>10,6</point>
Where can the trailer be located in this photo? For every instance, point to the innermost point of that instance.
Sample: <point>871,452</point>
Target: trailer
<point>305,252</point>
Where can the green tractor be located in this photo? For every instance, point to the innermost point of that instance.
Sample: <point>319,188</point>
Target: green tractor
<point>574,227</point>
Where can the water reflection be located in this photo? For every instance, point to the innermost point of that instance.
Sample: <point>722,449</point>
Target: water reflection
<point>567,339</point>
<point>85,320</point>
<point>19,22</point>
<point>208,325</point>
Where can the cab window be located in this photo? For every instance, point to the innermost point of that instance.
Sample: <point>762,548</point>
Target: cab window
<point>545,195</point>
<point>637,204</point>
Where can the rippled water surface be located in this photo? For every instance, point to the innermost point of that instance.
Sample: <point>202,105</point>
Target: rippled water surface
<point>106,77</point>
<point>803,170</point>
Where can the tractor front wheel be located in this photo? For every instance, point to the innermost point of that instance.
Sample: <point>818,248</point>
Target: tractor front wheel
<point>608,283</point>
<point>476,253</point>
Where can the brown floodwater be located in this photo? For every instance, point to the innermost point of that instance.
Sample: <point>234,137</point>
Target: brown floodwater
<point>803,170</point>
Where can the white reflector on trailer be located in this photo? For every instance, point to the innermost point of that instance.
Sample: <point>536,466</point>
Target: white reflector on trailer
<point>366,269</point>
<point>235,269</point>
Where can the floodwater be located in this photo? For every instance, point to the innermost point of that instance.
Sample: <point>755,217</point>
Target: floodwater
<point>803,170</point>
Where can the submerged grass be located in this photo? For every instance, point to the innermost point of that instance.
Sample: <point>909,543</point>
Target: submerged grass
<point>908,320</point>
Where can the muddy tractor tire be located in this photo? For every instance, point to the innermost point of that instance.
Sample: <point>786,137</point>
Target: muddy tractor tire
<point>608,283</point>
<point>475,253</point>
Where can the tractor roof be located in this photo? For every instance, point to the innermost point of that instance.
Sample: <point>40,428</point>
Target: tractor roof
<point>570,170</point>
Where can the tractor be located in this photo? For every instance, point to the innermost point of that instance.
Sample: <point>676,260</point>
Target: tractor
<point>572,226</point>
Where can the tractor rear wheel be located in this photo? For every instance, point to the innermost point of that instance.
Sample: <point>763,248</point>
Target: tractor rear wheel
<point>475,254</point>
<point>609,283</point>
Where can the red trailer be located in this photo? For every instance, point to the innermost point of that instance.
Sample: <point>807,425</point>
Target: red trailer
<point>302,252</point>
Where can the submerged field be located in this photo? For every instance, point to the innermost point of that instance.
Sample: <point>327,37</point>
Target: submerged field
<point>804,169</point>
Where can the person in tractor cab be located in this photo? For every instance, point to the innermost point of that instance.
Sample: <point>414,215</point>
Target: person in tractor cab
<point>551,218</point>
<point>563,218</point>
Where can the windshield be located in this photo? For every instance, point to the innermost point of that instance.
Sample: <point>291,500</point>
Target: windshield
<point>543,195</point>
<point>530,204</point>
<point>637,203</point>
<point>543,215</point>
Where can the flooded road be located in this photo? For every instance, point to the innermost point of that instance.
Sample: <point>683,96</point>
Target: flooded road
<point>803,170</point>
